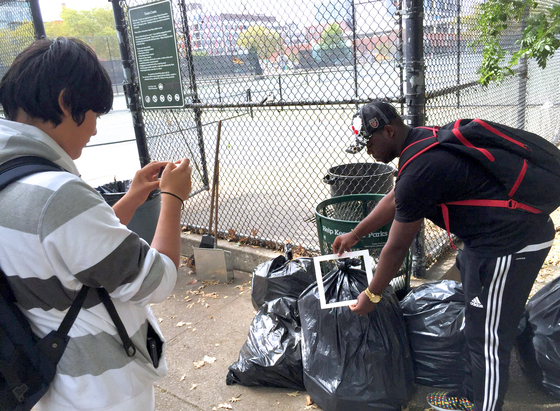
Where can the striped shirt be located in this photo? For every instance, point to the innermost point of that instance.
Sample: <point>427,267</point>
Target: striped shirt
<point>57,233</point>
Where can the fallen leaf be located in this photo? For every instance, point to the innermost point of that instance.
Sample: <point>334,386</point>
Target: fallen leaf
<point>311,407</point>
<point>198,364</point>
<point>193,281</point>
<point>193,386</point>
<point>180,324</point>
<point>293,394</point>
<point>224,406</point>
<point>209,360</point>
<point>309,400</point>
<point>183,377</point>
<point>160,319</point>
<point>235,399</point>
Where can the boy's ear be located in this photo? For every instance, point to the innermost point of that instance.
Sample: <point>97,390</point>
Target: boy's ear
<point>63,107</point>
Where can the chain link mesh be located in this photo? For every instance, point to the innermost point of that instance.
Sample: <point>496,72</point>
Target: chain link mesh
<point>285,92</point>
<point>16,31</point>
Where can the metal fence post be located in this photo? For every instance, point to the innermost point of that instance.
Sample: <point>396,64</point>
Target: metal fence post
<point>195,98</point>
<point>415,91</point>
<point>37,19</point>
<point>249,99</point>
<point>128,85</point>
<point>522,90</point>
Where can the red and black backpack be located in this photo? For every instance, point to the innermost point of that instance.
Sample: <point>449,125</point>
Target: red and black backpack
<point>526,164</point>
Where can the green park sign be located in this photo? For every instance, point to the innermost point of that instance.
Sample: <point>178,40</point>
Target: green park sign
<point>155,50</point>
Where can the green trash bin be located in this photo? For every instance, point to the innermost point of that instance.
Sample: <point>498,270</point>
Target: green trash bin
<point>339,215</point>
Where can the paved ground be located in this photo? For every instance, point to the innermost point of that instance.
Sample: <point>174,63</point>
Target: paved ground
<point>209,319</point>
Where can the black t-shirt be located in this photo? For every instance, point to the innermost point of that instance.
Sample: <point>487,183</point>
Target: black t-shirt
<point>439,176</point>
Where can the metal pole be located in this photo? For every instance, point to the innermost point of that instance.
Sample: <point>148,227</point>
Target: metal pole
<point>128,85</point>
<point>458,52</point>
<point>114,75</point>
<point>196,100</point>
<point>415,91</point>
<point>522,91</point>
<point>355,50</point>
<point>37,19</point>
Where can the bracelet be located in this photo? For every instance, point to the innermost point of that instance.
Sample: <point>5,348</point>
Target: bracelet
<point>177,197</point>
<point>374,298</point>
<point>356,235</point>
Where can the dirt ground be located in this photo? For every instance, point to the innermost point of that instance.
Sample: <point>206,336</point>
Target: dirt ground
<point>551,267</point>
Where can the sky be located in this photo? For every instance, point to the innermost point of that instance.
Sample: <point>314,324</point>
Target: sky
<point>50,9</point>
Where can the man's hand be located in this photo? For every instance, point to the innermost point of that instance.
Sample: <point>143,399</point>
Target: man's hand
<point>363,306</point>
<point>344,243</point>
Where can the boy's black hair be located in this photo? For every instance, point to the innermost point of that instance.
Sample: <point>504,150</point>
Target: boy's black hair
<point>47,67</point>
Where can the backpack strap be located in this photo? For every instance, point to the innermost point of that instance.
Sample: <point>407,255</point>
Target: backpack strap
<point>20,167</point>
<point>108,303</point>
<point>510,204</point>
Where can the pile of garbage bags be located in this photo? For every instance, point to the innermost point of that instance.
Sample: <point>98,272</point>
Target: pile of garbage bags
<point>348,362</point>
<point>538,344</point>
<point>343,361</point>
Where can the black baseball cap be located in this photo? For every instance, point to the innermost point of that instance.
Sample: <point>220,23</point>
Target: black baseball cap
<point>371,118</point>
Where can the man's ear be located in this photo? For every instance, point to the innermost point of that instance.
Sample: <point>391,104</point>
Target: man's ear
<point>63,107</point>
<point>390,129</point>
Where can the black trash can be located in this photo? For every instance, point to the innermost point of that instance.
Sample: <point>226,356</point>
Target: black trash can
<point>144,220</point>
<point>360,178</point>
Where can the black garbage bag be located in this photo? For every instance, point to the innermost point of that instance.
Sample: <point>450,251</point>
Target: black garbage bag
<point>271,356</point>
<point>351,362</point>
<point>539,343</point>
<point>434,315</point>
<point>281,277</point>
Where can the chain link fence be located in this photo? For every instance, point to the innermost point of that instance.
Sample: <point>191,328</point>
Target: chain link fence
<point>285,80</point>
<point>285,83</point>
<point>529,100</point>
<point>16,31</point>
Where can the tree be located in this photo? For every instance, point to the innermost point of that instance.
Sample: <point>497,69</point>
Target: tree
<point>332,37</point>
<point>96,27</point>
<point>538,39</point>
<point>332,47</point>
<point>263,40</point>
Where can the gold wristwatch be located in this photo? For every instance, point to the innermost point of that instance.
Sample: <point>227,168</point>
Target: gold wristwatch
<point>374,298</point>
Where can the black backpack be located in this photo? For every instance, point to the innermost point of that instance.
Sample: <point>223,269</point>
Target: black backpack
<point>526,164</point>
<point>27,363</point>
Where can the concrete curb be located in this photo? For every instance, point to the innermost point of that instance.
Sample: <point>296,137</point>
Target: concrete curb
<point>244,257</point>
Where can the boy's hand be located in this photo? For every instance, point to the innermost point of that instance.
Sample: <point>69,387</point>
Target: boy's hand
<point>145,181</point>
<point>176,178</point>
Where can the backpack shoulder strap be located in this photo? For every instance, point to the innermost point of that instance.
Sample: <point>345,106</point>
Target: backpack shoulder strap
<point>413,150</point>
<point>20,167</point>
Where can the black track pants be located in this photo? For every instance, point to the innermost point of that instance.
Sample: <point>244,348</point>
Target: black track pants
<point>496,290</point>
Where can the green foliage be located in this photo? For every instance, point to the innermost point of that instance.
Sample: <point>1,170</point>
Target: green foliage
<point>96,27</point>
<point>261,39</point>
<point>538,39</point>
<point>9,38</point>
<point>332,37</point>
